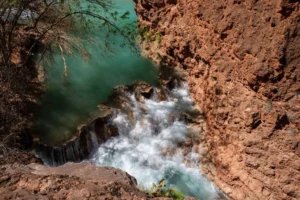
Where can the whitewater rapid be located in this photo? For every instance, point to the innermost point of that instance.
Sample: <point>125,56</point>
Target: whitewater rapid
<point>147,147</point>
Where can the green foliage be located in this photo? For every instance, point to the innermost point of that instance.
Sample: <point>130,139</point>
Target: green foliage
<point>175,194</point>
<point>145,33</point>
<point>158,37</point>
<point>142,29</point>
<point>63,25</point>
<point>148,36</point>
<point>160,190</point>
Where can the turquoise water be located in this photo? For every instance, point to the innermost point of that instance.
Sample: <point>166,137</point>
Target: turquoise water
<point>139,150</point>
<point>73,101</point>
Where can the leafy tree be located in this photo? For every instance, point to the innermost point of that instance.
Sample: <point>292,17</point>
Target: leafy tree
<point>54,24</point>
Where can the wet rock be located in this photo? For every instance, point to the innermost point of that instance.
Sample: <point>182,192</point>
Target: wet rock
<point>171,83</point>
<point>87,139</point>
<point>142,89</point>
<point>171,77</point>
<point>120,95</point>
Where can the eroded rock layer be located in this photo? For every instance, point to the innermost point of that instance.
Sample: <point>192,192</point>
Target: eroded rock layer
<point>242,60</point>
<point>70,181</point>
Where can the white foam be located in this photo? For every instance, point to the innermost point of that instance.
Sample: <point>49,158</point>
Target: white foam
<point>140,148</point>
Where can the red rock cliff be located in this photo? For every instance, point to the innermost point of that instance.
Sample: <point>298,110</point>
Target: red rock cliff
<point>242,58</point>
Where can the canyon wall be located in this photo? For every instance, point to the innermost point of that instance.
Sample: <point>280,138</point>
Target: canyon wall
<point>242,61</point>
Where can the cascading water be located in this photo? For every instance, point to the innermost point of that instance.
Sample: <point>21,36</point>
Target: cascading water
<point>147,146</point>
<point>151,136</point>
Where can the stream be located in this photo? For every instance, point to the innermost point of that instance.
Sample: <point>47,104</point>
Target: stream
<point>147,145</point>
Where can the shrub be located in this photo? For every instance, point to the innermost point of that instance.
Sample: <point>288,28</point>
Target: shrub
<point>161,190</point>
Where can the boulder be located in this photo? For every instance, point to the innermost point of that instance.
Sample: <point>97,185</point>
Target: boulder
<point>70,181</point>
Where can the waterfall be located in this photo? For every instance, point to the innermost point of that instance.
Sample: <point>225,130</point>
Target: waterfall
<point>149,145</point>
<point>88,138</point>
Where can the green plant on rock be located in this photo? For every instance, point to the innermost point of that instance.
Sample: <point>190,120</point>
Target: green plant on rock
<point>160,190</point>
<point>142,28</point>
<point>148,36</point>
<point>158,37</point>
<point>145,33</point>
<point>175,194</point>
